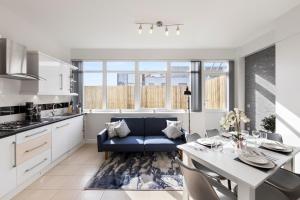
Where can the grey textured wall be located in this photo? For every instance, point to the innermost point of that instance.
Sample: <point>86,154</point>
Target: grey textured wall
<point>260,86</point>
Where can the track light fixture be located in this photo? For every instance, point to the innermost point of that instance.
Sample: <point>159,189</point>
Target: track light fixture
<point>151,29</point>
<point>158,24</point>
<point>140,29</point>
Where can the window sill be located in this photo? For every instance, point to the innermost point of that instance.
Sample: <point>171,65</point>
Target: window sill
<point>137,112</point>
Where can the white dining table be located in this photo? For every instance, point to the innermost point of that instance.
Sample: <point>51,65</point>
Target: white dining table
<point>223,162</point>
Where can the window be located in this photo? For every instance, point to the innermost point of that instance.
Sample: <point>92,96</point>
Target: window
<point>153,92</point>
<point>153,84</point>
<point>180,79</point>
<point>216,85</point>
<point>120,85</point>
<point>92,85</point>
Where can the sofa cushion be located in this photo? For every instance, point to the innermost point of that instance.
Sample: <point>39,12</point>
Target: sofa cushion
<point>136,125</point>
<point>161,143</point>
<point>154,126</point>
<point>128,144</point>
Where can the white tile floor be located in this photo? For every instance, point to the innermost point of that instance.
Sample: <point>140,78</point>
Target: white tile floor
<point>67,180</point>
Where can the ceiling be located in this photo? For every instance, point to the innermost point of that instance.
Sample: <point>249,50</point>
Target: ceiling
<point>111,23</point>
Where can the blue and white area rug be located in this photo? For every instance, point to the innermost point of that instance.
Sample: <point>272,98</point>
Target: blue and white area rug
<point>138,171</point>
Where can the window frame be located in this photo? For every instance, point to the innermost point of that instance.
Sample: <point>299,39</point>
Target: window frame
<point>83,89</point>
<point>204,73</point>
<point>137,87</point>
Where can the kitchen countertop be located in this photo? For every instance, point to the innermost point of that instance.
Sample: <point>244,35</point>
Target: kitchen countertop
<point>44,122</point>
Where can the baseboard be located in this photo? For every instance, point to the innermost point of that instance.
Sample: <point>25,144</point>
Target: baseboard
<point>91,141</point>
<point>28,182</point>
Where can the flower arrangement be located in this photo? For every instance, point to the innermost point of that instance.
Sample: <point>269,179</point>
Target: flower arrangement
<point>234,119</point>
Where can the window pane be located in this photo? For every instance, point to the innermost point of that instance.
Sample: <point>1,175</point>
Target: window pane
<point>180,66</point>
<point>120,66</point>
<point>216,67</point>
<point>120,90</point>
<point>152,66</point>
<point>179,82</point>
<point>92,84</point>
<point>215,92</point>
<point>92,66</point>
<point>153,93</point>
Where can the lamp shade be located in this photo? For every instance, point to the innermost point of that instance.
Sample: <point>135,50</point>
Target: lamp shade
<point>187,92</point>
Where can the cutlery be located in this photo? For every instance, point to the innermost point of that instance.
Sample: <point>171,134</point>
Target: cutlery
<point>269,157</point>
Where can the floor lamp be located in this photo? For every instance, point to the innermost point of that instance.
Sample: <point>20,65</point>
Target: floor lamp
<point>188,93</point>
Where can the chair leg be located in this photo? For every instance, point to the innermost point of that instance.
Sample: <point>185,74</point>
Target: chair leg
<point>106,155</point>
<point>229,184</point>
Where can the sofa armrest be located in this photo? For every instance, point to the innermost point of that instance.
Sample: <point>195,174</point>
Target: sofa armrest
<point>101,138</point>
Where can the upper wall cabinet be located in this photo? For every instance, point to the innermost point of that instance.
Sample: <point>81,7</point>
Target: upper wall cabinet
<point>54,75</point>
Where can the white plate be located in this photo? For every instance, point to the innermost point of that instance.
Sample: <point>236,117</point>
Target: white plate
<point>226,134</point>
<point>255,159</point>
<point>277,147</point>
<point>269,165</point>
<point>208,142</point>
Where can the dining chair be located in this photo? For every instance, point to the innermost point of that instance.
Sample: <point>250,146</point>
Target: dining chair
<point>201,186</point>
<point>212,132</point>
<point>193,137</point>
<point>284,180</point>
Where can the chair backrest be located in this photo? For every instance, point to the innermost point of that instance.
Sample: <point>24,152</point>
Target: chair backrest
<point>193,137</point>
<point>274,136</point>
<point>212,132</point>
<point>197,183</point>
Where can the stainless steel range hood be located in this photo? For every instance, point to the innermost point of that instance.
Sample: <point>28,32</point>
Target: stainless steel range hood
<point>13,61</point>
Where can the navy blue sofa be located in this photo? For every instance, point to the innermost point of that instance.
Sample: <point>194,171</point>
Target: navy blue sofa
<point>146,136</point>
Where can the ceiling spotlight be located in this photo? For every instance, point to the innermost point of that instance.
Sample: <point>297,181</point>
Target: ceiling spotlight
<point>177,31</point>
<point>167,31</point>
<point>140,29</point>
<point>151,29</point>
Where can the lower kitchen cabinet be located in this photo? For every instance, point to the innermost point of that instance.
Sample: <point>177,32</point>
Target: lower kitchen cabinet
<point>26,154</point>
<point>8,171</point>
<point>66,135</point>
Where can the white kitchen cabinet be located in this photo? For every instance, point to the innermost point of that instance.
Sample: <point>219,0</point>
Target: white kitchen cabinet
<point>76,130</point>
<point>54,75</point>
<point>66,135</point>
<point>8,172</point>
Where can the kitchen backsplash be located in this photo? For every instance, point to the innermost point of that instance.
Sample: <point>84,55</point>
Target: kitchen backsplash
<point>12,110</point>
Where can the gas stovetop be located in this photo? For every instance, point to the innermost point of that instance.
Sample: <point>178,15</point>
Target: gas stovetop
<point>16,125</point>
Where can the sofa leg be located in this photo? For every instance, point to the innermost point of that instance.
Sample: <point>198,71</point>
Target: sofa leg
<point>180,154</point>
<point>106,155</point>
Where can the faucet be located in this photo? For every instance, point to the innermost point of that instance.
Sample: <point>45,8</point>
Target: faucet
<point>53,109</point>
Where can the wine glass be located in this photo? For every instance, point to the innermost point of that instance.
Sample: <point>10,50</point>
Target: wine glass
<point>263,136</point>
<point>256,135</point>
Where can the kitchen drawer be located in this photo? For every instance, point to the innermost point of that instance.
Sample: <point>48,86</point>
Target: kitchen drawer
<point>33,147</point>
<point>33,166</point>
<point>32,134</point>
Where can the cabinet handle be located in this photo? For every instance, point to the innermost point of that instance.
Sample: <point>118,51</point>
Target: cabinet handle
<point>15,154</point>
<point>33,134</point>
<point>34,148</point>
<point>61,81</point>
<point>67,124</point>
<point>36,165</point>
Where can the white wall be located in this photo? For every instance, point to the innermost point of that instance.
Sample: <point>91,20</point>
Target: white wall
<point>286,36</point>
<point>288,96</point>
<point>95,122</point>
<point>168,54</point>
<point>18,29</point>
